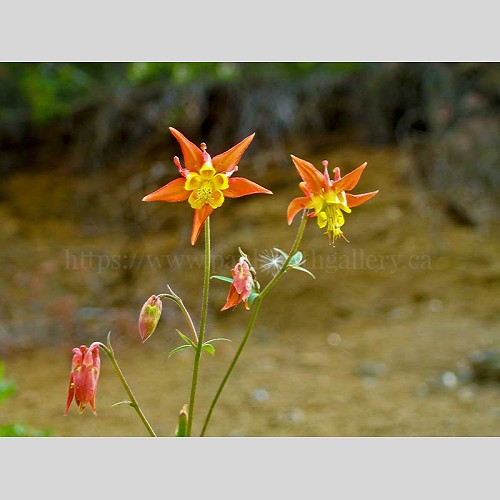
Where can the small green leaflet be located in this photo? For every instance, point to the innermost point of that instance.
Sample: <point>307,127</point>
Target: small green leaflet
<point>252,297</point>
<point>217,338</point>
<point>209,348</point>
<point>296,259</point>
<point>123,403</point>
<point>295,262</point>
<point>186,338</point>
<point>298,268</point>
<point>180,348</point>
<point>283,254</point>
<point>222,278</point>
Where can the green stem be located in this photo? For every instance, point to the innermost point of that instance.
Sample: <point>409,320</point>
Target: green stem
<point>175,298</point>
<point>203,323</point>
<point>256,306</point>
<point>133,402</point>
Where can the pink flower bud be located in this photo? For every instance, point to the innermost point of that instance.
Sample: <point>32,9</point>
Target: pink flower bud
<point>242,285</point>
<point>83,378</point>
<point>149,317</point>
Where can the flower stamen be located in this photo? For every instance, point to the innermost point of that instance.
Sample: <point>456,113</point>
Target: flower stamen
<point>332,218</point>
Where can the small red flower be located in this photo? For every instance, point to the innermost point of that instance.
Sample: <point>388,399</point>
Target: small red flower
<point>83,378</point>
<point>328,198</point>
<point>242,285</point>
<point>206,182</point>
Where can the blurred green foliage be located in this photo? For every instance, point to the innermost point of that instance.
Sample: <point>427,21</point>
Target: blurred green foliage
<point>41,92</point>
<point>19,430</point>
<point>7,389</point>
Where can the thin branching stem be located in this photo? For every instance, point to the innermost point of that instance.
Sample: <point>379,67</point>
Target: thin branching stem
<point>256,306</point>
<point>133,401</point>
<point>203,324</point>
<point>175,298</point>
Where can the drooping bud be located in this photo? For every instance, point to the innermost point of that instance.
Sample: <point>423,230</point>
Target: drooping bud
<point>182,422</point>
<point>83,378</point>
<point>149,317</point>
<point>242,285</point>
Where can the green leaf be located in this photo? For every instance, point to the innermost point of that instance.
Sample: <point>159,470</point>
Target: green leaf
<point>209,348</point>
<point>222,278</point>
<point>186,338</point>
<point>298,268</point>
<point>252,297</point>
<point>296,259</point>
<point>217,338</point>
<point>123,403</point>
<point>283,254</point>
<point>180,348</point>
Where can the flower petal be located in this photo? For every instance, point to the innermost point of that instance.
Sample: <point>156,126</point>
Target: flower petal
<point>318,203</point>
<point>233,298</point>
<point>192,154</point>
<point>322,219</point>
<point>200,215</point>
<point>309,173</point>
<point>296,205</point>
<point>193,181</point>
<point>239,186</point>
<point>172,192</point>
<point>350,180</point>
<point>92,404</point>
<point>195,201</point>
<point>225,162</point>
<point>336,198</point>
<point>217,199</point>
<point>207,172</point>
<point>353,200</point>
<point>71,393</point>
<point>220,181</point>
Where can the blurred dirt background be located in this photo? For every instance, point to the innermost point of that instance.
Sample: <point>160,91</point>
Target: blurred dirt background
<point>397,336</point>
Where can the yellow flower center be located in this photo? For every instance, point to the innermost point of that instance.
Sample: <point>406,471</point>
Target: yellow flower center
<point>328,207</point>
<point>205,191</point>
<point>206,187</point>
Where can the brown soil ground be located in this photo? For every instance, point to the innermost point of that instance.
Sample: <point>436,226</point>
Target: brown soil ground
<point>377,345</point>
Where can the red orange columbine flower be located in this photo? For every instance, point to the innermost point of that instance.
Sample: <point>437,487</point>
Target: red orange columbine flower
<point>205,182</point>
<point>328,198</point>
<point>83,378</point>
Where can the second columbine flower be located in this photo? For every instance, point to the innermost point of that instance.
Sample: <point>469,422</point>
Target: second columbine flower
<point>328,198</point>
